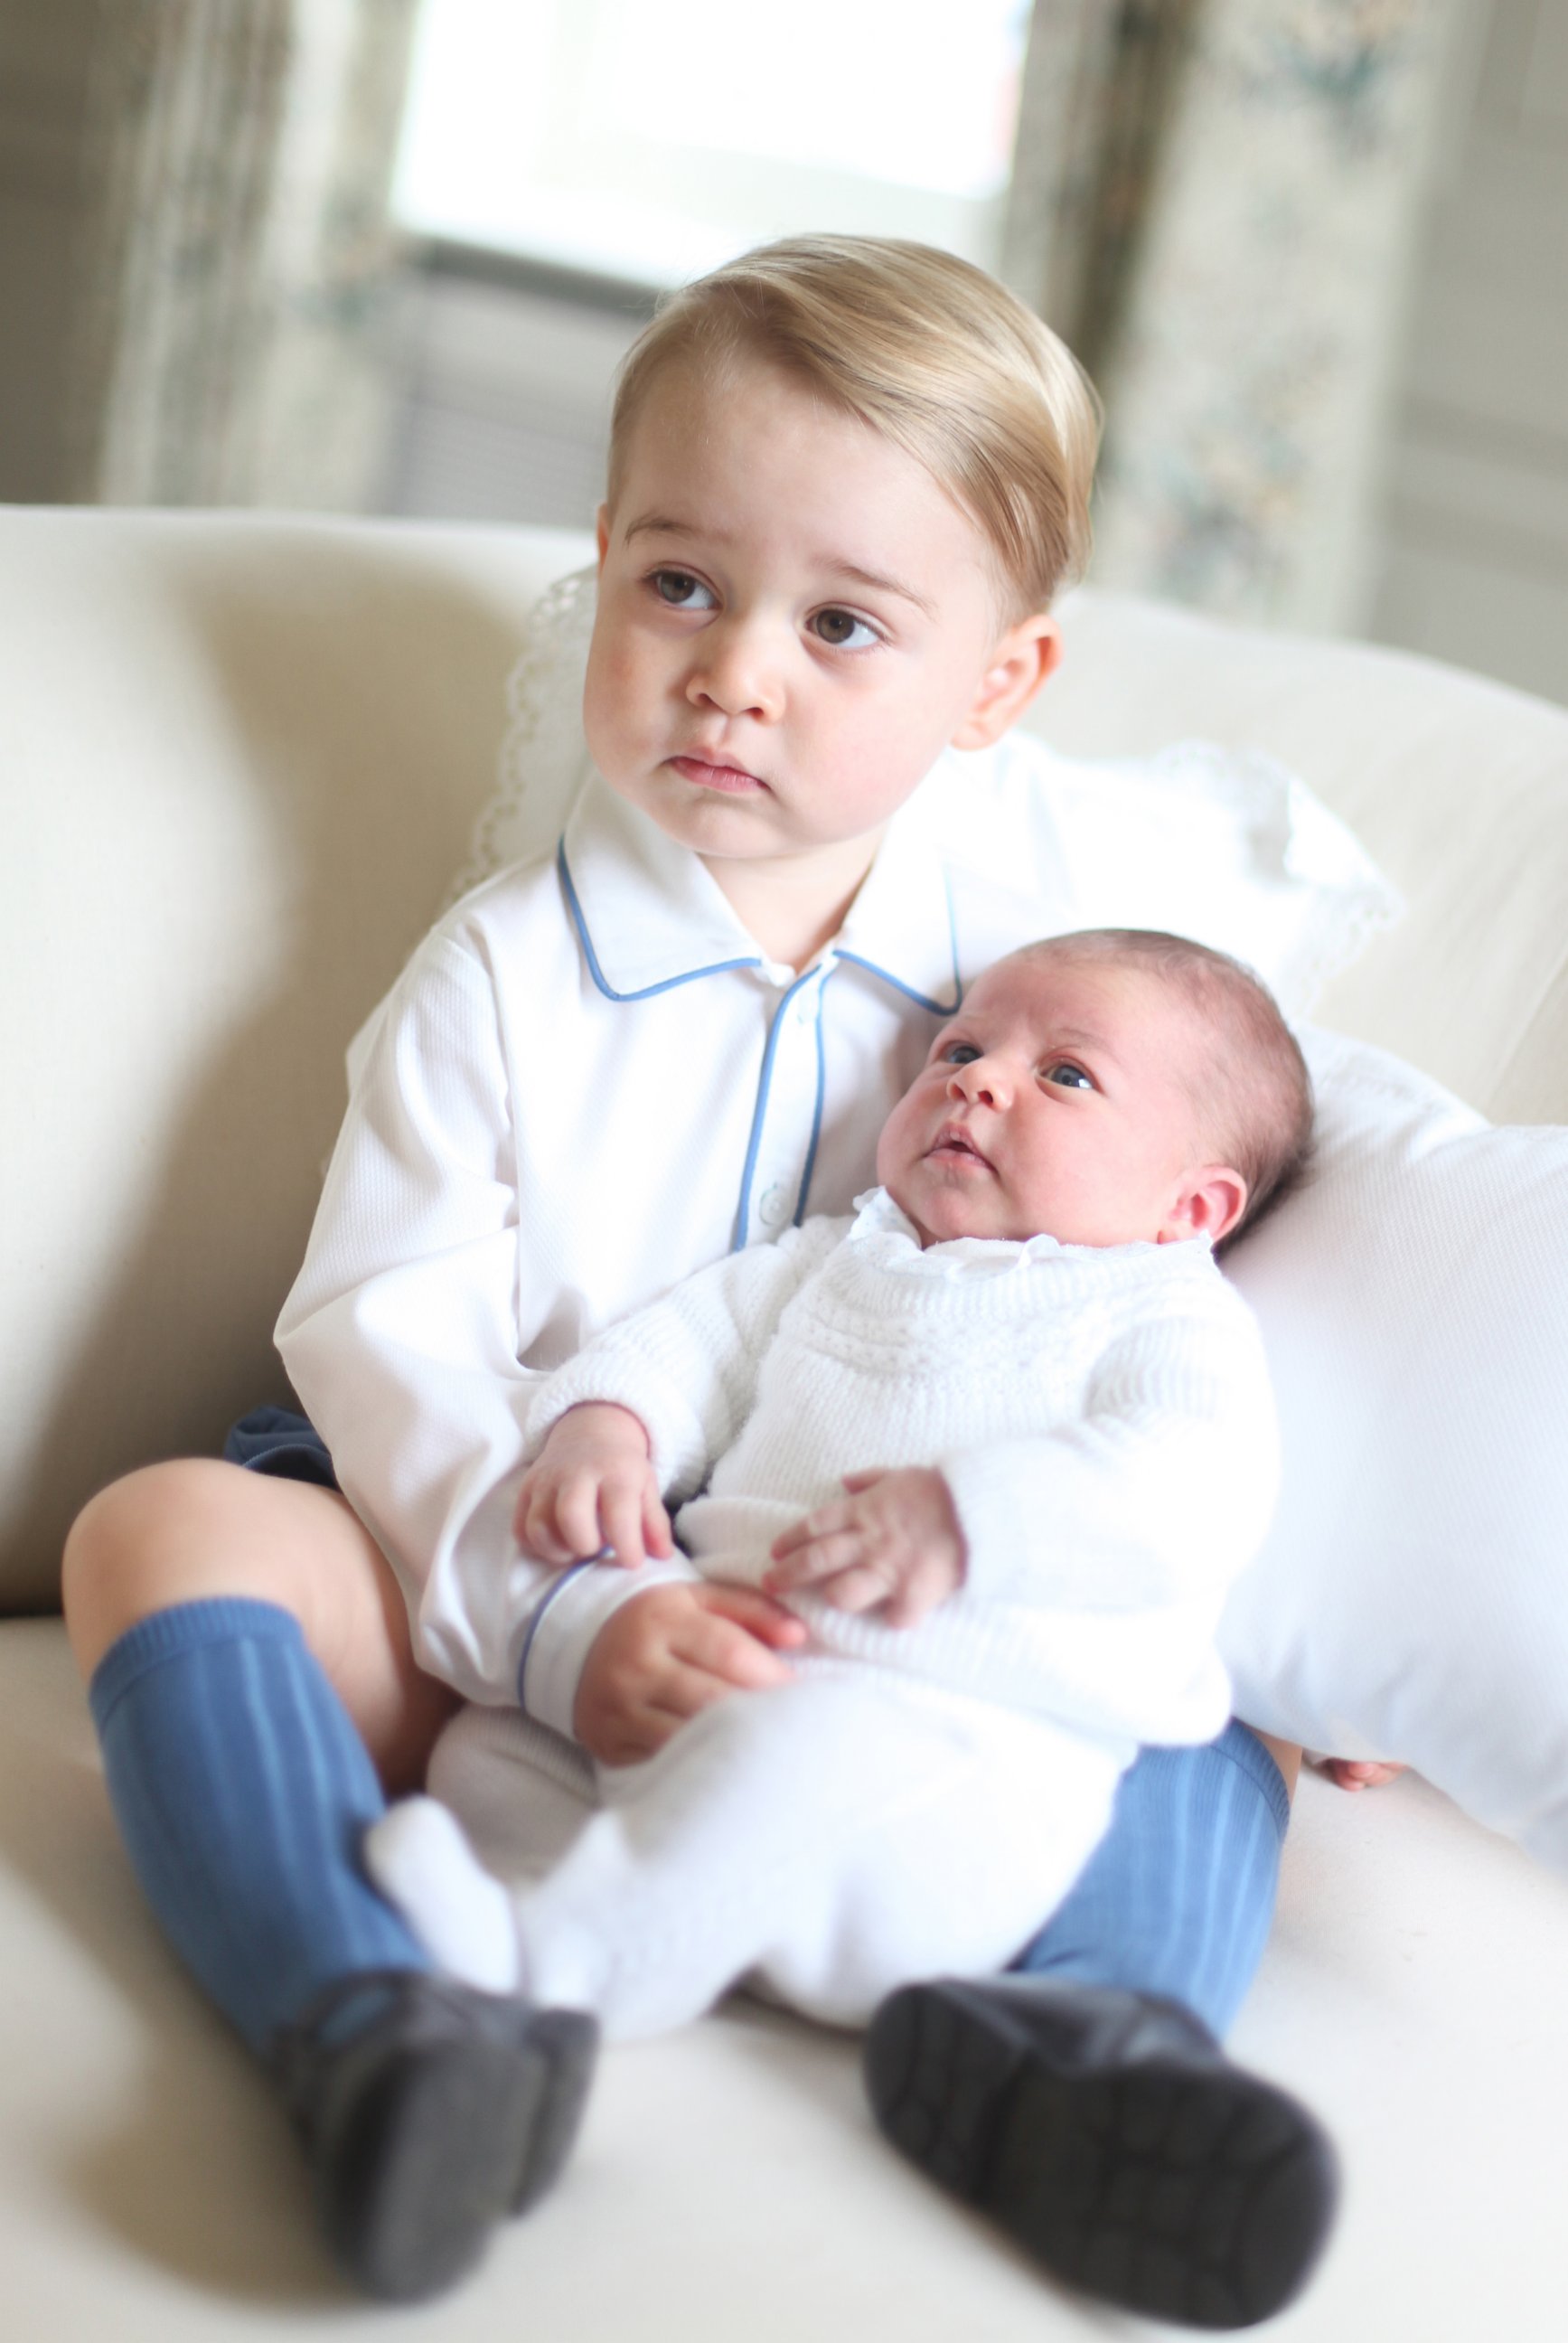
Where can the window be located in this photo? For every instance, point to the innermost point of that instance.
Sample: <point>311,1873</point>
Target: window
<point>633,141</point>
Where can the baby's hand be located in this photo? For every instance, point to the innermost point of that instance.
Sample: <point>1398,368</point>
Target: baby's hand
<point>591,1492</point>
<point>893,1542</point>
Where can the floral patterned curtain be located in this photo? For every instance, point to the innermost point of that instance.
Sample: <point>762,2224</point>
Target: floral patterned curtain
<point>1218,201</point>
<point>237,271</point>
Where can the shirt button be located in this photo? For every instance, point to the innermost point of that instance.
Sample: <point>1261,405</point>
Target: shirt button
<point>806,1008</point>
<point>773,1206</point>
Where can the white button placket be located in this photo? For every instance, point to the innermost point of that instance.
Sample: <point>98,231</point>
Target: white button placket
<point>788,1106</point>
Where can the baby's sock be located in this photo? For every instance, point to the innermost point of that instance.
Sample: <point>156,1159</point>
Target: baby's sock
<point>418,1857</point>
<point>243,1794</point>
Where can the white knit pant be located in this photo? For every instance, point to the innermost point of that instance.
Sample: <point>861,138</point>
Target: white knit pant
<point>826,1840</point>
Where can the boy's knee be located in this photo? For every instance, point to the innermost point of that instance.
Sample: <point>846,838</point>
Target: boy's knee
<point>153,1538</point>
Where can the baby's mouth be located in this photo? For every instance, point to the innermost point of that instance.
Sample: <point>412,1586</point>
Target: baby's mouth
<point>953,1144</point>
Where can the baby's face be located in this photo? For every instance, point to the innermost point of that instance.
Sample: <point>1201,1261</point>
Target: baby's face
<point>1064,1100</point>
<point>793,619</point>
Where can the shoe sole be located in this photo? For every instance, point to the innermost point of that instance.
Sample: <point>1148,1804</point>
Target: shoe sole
<point>1187,2191</point>
<point>452,2138</point>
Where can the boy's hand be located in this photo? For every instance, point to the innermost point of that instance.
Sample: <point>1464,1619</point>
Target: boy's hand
<point>667,1654</point>
<point>893,1542</point>
<point>591,1487</point>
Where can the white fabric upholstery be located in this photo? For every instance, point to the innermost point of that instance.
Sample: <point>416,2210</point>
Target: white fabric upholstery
<point>241,759</point>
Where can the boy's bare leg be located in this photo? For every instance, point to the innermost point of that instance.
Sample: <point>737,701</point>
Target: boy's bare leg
<point>194,1528</point>
<point>1286,1754</point>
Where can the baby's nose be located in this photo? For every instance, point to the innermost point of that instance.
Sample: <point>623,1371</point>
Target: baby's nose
<point>981,1079</point>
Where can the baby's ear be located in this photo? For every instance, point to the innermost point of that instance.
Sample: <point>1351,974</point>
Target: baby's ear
<point>601,529</point>
<point>1208,1204</point>
<point>1024,657</point>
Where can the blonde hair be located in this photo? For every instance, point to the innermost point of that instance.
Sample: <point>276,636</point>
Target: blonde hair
<point>1258,1106</point>
<point>928,351</point>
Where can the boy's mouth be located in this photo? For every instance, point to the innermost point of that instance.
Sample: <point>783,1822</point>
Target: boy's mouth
<point>711,773</point>
<point>952,1144</point>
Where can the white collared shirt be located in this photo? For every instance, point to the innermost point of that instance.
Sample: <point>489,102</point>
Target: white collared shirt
<point>590,1081</point>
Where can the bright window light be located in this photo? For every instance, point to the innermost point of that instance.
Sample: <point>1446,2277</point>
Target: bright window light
<point>639,141</point>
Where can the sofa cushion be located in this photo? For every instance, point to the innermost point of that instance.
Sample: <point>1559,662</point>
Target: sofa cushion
<point>241,755</point>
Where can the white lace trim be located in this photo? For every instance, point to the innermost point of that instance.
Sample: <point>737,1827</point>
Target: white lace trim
<point>543,760</point>
<point>885,1239</point>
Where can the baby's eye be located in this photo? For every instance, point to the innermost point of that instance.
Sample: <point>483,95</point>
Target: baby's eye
<point>1069,1076</point>
<point>842,630</point>
<point>681,590</point>
<point>959,1054</point>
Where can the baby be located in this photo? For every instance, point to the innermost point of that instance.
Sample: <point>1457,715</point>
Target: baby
<point>1003,1441</point>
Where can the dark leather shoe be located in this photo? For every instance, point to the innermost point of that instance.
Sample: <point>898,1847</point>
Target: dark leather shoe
<point>1108,2134</point>
<point>430,2112</point>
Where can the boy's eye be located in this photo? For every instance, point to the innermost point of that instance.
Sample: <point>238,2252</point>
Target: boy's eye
<point>840,627</point>
<point>1069,1076</point>
<point>681,590</point>
<point>959,1053</point>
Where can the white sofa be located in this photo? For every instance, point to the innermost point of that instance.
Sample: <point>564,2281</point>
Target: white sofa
<point>240,758</point>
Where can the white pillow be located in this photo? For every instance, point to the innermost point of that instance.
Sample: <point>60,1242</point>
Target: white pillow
<point>1412,1602</point>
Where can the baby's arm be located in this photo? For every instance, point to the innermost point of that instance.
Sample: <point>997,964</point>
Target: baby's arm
<point>1099,1549</point>
<point>675,1379</point>
<point>683,1369</point>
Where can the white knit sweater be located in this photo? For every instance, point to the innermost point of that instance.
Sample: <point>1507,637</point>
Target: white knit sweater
<point>1102,1414</point>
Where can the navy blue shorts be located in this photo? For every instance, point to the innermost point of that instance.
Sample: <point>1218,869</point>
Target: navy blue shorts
<point>276,1440</point>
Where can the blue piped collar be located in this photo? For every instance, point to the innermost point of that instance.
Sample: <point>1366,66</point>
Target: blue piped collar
<point>649,916</point>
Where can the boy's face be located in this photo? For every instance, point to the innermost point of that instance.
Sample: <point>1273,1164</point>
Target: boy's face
<point>793,621</point>
<point>1065,1100</point>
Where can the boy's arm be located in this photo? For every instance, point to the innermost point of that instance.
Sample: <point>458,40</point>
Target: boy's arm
<point>404,1331</point>
<point>406,1328</point>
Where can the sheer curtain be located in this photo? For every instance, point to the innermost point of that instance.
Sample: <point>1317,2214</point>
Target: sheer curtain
<point>1219,202</point>
<point>235,253</point>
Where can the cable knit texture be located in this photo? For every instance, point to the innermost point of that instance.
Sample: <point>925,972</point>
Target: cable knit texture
<point>1102,1414</point>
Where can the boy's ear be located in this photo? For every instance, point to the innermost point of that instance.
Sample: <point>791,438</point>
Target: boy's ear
<point>1026,655</point>
<point>1208,1204</point>
<point>601,529</point>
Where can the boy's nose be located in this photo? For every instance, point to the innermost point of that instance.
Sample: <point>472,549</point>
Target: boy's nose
<point>731,671</point>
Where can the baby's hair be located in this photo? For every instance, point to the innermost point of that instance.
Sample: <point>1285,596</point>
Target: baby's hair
<point>1260,1115</point>
<point>928,351</point>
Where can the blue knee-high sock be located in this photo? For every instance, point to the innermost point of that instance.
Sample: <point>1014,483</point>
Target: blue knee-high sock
<point>242,1793</point>
<point>1178,1896</point>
